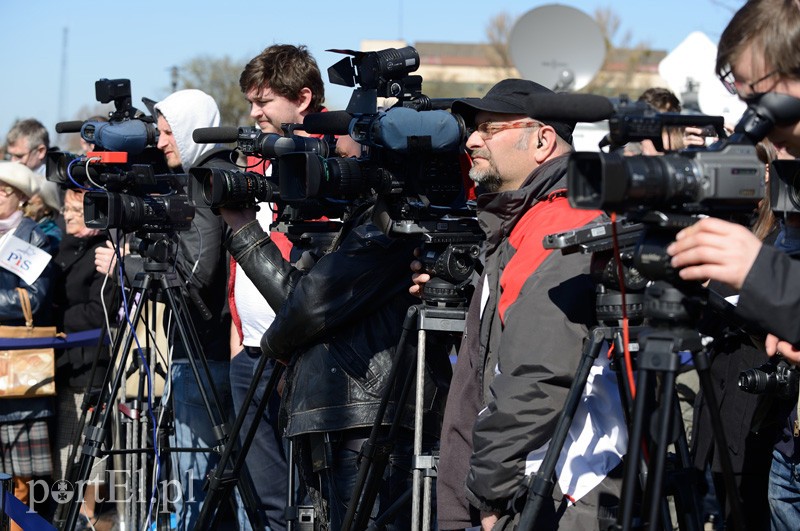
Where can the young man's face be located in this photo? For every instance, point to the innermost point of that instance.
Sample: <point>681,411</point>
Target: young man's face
<point>753,76</point>
<point>270,110</point>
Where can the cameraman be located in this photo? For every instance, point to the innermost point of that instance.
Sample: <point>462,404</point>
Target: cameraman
<point>201,265</point>
<point>758,54</point>
<point>337,326</point>
<point>526,323</point>
<point>282,84</point>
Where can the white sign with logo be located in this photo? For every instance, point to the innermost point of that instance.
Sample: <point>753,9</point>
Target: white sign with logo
<point>23,259</point>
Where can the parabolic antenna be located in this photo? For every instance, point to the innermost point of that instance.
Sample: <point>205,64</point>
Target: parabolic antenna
<point>557,46</point>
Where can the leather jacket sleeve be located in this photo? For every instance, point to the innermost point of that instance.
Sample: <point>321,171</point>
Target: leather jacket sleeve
<point>261,259</point>
<point>353,281</point>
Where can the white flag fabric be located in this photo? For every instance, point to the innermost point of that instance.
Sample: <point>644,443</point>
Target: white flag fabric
<point>597,439</point>
<point>23,259</point>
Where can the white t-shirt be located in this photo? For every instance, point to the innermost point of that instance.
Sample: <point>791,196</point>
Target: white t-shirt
<point>256,315</point>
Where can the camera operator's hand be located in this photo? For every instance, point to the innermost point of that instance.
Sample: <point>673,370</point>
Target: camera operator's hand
<point>694,136</point>
<point>784,348</point>
<point>715,249</point>
<point>105,259</point>
<point>237,218</point>
<point>488,520</point>
<point>419,277</point>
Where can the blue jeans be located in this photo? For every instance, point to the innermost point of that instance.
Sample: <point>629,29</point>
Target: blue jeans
<point>784,493</point>
<point>193,429</point>
<point>266,458</point>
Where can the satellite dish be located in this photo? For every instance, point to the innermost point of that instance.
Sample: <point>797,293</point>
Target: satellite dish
<point>557,46</point>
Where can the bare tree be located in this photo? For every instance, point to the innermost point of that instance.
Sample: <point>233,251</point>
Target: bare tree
<point>218,77</point>
<point>623,59</point>
<point>498,33</point>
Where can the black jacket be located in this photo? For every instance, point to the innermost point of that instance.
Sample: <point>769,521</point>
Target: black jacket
<point>770,295</point>
<point>78,307</point>
<point>337,324</point>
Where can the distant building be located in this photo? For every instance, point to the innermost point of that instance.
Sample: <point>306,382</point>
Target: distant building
<point>459,70</point>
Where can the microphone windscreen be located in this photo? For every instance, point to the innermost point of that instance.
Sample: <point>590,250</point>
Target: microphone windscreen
<point>328,123</point>
<point>565,107</point>
<point>69,127</point>
<point>215,135</point>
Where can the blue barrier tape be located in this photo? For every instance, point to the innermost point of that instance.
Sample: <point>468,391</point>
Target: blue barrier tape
<point>85,338</point>
<point>28,521</point>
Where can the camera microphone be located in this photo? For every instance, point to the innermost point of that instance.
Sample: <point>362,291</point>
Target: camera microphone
<point>215,135</point>
<point>328,123</point>
<point>565,107</point>
<point>69,127</point>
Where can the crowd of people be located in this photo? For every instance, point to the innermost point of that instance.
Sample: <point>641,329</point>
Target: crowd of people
<point>337,319</point>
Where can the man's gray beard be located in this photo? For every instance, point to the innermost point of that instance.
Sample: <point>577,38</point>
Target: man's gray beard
<point>487,178</point>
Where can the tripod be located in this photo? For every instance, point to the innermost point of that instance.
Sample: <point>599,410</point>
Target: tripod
<point>671,316</point>
<point>155,282</point>
<point>443,310</point>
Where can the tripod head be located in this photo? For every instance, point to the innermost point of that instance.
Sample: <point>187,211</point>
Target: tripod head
<point>157,248</point>
<point>450,265</point>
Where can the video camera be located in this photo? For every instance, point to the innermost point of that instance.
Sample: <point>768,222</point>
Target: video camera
<point>216,188</point>
<point>411,156</point>
<point>128,183</point>
<point>412,163</point>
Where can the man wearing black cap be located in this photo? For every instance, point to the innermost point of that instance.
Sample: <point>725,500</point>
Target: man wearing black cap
<point>527,320</point>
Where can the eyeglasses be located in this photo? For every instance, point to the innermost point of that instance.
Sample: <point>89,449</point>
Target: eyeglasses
<point>488,129</point>
<point>6,190</point>
<point>736,87</point>
<point>16,156</point>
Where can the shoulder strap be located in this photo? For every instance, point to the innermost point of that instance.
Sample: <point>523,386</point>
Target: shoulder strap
<point>25,302</point>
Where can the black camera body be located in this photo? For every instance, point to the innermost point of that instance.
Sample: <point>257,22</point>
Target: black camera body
<point>727,176</point>
<point>776,377</point>
<point>126,177</point>
<point>784,187</point>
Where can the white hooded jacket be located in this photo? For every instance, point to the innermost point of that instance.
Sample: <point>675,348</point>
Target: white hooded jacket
<point>185,111</point>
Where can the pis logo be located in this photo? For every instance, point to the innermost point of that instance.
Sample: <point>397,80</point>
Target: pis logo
<point>17,258</point>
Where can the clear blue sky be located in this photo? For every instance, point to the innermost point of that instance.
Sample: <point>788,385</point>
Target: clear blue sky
<point>142,40</point>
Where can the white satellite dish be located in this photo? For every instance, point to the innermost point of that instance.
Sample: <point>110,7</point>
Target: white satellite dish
<point>557,46</point>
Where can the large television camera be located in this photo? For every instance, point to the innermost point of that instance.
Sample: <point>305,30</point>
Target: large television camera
<point>216,188</point>
<point>127,182</point>
<point>412,162</point>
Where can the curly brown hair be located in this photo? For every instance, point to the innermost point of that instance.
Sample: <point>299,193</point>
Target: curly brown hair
<point>286,69</point>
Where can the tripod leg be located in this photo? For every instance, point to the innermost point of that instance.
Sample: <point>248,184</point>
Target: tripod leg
<point>374,456</point>
<point>540,487</point>
<point>703,367</point>
<point>205,384</point>
<point>95,433</point>
<point>220,486</point>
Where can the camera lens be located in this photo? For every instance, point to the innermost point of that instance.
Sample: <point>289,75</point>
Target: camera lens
<point>757,381</point>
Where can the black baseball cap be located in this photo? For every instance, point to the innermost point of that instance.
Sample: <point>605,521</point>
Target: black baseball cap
<point>510,96</point>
